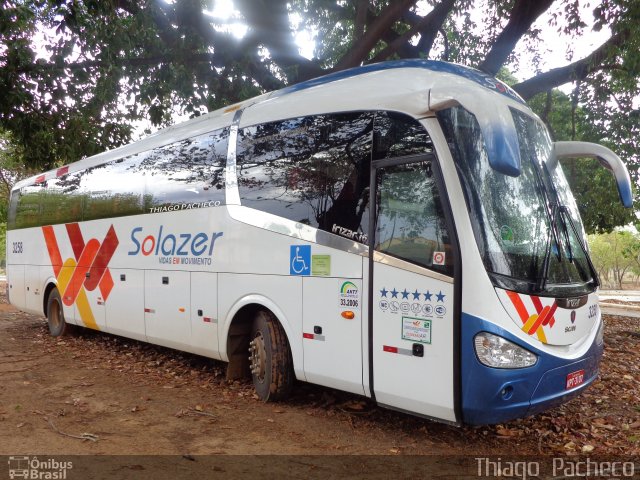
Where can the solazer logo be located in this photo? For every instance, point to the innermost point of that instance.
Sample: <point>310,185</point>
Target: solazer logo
<point>174,248</point>
<point>36,469</point>
<point>86,272</point>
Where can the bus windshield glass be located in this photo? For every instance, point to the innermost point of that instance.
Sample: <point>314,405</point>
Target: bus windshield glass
<point>527,228</point>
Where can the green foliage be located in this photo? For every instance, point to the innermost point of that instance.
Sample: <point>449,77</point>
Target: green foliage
<point>557,112</point>
<point>3,245</point>
<point>596,194</point>
<point>75,76</point>
<point>54,115</point>
<point>614,254</point>
<point>594,187</point>
<point>12,169</point>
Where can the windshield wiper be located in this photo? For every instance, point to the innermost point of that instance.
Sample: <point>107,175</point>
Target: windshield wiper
<point>563,209</point>
<point>543,276</point>
<point>551,190</point>
<point>566,215</point>
<point>552,198</point>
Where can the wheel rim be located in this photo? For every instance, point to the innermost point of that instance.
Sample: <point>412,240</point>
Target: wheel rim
<point>258,357</point>
<point>55,315</point>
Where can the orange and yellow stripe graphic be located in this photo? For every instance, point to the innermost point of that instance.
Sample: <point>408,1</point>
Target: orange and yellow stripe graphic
<point>533,324</point>
<point>88,270</point>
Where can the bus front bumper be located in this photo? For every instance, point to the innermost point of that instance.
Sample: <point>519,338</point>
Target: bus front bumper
<point>494,395</point>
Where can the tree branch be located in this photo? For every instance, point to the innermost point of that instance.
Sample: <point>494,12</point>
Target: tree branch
<point>523,14</point>
<point>430,31</point>
<point>261,74</point>
<point>270,20</point>
<point>445,40</point>
<point>362,46</point>
<point>362,9</point>
<point>123,62</point>
<point>8,185</point>
<point>159,15</point>
<point>426,26</point>
<point>575,71</point>
<point>405,50</point>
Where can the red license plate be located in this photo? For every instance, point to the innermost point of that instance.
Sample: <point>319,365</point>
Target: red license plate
<point>574,379</point>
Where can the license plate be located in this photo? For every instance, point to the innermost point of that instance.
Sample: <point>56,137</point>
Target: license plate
<point>574,379</point>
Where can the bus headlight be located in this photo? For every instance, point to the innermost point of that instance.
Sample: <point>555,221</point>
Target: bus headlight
<point>600,334</point>
<point>498,352</point>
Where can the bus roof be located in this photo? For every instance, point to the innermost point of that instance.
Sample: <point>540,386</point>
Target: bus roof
<point>224,116</point>
<point>472,74</point>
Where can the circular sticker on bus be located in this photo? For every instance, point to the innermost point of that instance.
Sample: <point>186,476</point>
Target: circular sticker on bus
<point>506,234</point>
<point>438,258</point>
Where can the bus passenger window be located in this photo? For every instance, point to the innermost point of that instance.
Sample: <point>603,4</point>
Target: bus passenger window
<point>410,222</point>
<point>60,201</point>
<point>113,189</point>
<point>399,135</point>
<point>27,210</point>
<point>312,170</point>
<point>189,172</point>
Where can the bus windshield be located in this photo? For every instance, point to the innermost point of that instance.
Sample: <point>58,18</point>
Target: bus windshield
<point>527,228</point>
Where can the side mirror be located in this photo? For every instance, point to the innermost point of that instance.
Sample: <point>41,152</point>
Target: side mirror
<point>607,159</point>
<point>498,129</point>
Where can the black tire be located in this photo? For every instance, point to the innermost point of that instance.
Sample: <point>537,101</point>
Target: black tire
<point>270,358</point>
<point>55,315</point>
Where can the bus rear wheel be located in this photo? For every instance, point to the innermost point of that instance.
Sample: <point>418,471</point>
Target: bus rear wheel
<point>55,315</point>
<point>270,358</point>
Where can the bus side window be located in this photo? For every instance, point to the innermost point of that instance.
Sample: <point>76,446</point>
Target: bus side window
<point>28,206</point>
<point>410,221</point>
<point>60,201</point>
<point>398,135</point>
<point>13,209</point>
<point>188,172</point>
<point>313,170</point>
<point>113,189</point>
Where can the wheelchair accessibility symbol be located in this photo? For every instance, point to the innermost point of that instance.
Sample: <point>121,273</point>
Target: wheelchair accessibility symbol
<point>300,260</point>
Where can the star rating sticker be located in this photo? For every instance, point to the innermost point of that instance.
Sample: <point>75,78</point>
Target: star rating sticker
<point>440,296</point>
<point>416,295</point>
<point>405,294</point>
<point>394,293</point>
<point>427,296</point>
<point>383,292</point>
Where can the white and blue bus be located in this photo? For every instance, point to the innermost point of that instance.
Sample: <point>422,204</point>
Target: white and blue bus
<point>402,231</point>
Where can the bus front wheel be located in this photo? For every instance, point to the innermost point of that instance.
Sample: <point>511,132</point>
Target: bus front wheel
<point>270,358</point>
<point>55,315</point>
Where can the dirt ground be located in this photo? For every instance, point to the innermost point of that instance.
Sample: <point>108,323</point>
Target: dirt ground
<point>99,394</point>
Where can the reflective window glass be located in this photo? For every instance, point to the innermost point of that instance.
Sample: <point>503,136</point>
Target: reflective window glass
<point>60,201</point>
<point>410,220</point>
<point>313,170</point>
<point>13,208</point>
<point>513,218</point>
<point>114,189</point>
<point>398,135</point>
<point>186,174</point>
<point>28,207</point>
<point>189,172</point>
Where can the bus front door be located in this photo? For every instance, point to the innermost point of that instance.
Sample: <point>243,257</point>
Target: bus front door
<point>411,325</point>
